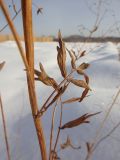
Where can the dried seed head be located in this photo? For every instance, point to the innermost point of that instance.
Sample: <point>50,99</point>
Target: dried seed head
<point>78,121</point>
<point>79,83</point>
<point>72,59</point>
<point>43,77</point>
<point>61,57</point>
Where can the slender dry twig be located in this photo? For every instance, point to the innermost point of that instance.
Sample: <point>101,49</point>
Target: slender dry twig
<point>5,130</point>
<point>106,136</point>
<point>52,129</point>
<point>58,133</point>
<point>34,105</point>
<point>101,126</point>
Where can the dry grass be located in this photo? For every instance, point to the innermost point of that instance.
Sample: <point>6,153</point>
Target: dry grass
<point>59,89</point>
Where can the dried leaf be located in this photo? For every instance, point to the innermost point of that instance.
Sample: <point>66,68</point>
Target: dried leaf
<point>79,83</point>
<point>61,57</point>
<point>82,54</point>
<point>94,29</point>
<point>83,66</point>
<point>78,121</point>
<point>2,65</point>
<point>74,54</point>
<point>43,77</point>
<point>71,100</point>
<point>68,143</point>
<point>85,92</point>
<point>72,59</point>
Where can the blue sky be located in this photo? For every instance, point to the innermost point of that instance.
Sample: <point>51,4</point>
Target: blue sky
<point>68,15</point>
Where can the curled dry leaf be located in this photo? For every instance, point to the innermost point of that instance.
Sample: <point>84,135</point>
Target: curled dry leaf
<point>72,59</point>
<point>68,143</point>
<point>78,121</point>
<point>61,57</point>
<point>85,92</point>
<point>79,83</point>
<point>82,67</point>
<point>43,77</point>
<point>2,65</point>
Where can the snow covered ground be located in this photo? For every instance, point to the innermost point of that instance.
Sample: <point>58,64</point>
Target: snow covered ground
<point>104,73</point>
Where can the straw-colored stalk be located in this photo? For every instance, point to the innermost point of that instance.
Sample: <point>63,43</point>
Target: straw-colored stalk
<point>29,64</point>
<point>5,130</point>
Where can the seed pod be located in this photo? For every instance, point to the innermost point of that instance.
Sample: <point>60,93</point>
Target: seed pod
<point>61,57</point>
<point>72,59</point>
<point>78,121</point>
<point>79,83</point>
<point>83,66</point>
<point>71,100</point>
<point>43,77</point>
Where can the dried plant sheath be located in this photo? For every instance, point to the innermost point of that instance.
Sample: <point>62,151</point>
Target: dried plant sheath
<point>72,56</point>
<point>84,66</point>
<point>79,83</point>
<point>61,57</point>
<point>29,47</point>
<point>43,77</point>
<point>78,121</point>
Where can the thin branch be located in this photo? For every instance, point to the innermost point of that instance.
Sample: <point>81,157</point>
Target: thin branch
<point>58,134</point>
<point>52,129</point>
<point>101,126</point>
<point>34,106</point>
<point>106,136</point>
<point>5,130</point>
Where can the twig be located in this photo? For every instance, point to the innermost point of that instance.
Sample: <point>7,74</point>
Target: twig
<point>101,127</point>
<point>34,105</point>
<point>106,136</point>
<point>58,134</point>
<point>5,130</point>
<point>52,128</point>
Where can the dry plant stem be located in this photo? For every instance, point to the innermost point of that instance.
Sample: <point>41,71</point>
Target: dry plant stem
<point>58,134</point>
<point>5,130</point>
<point>106,136</point>
<point>101,127</point>
<point>52,129</point>
<point>29,45</point>
<point>34,106</point>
